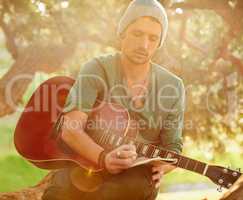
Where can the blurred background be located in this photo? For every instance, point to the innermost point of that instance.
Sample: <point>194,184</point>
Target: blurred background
<point>40,39</point>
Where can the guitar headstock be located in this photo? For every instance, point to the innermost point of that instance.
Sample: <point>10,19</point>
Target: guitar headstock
<point>221,176</point>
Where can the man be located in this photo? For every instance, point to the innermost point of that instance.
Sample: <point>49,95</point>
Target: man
<point>147,90</point>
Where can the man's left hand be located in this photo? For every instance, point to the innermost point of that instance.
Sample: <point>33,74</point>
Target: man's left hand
<point>158,170</point>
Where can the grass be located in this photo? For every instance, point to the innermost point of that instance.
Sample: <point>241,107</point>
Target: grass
<point>16,173</point>
<point>6,138</point>
<point>191,195</point>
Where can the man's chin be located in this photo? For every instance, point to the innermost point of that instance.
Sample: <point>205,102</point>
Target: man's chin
<point>139,60</point>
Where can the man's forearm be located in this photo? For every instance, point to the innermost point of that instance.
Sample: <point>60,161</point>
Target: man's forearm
<point>83,145</point>
<point>77,139</point>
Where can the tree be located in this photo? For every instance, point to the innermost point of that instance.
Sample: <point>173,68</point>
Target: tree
<point>236,192</point>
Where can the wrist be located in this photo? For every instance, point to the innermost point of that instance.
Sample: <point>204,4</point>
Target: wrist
<point>101,159</point>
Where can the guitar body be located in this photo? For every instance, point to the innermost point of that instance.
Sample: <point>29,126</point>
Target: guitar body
<point>33,133</point>
<point>37,139</point>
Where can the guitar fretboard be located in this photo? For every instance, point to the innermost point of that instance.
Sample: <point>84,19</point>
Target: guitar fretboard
<point>152,151</point>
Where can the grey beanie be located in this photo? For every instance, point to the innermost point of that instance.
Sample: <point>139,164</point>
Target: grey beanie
<point>142,8</point>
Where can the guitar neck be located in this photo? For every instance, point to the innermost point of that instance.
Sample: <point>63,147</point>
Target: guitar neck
<point>152,151</point>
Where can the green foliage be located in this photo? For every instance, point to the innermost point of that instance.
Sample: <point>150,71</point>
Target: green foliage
<point>212,77</point>
<point>16,174</point>
<point>210,194</point>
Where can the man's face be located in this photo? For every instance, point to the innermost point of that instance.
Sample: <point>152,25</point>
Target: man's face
<point>141,39</point>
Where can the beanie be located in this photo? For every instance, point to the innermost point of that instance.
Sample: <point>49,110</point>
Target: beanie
<point>144,8</point>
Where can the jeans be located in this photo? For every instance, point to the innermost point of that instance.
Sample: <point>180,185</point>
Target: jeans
<point>132,184</point>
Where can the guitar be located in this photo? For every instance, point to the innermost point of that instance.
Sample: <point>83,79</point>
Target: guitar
<point>37,137</point>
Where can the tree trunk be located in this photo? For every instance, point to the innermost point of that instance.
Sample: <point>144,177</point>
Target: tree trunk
<point>236,191</point>
<point>35,58</point>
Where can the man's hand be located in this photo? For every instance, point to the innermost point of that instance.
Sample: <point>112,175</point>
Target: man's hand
<point>158,170</point>
<point>120,158</point>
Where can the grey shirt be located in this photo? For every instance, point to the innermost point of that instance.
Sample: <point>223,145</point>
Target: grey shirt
<point>160,118</point>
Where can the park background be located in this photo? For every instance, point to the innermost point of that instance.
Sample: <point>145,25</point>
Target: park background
<point>41,39</point>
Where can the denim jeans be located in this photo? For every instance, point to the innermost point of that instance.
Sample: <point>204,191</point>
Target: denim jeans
<point>132,184</point>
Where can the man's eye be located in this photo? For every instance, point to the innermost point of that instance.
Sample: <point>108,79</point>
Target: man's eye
<point>137,34</point>
<point>153,38</point>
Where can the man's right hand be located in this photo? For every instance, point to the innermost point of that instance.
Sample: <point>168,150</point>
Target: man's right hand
<point>120,158</point>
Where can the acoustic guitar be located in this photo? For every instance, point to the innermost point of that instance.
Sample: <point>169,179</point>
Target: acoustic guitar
<point>37,137</point>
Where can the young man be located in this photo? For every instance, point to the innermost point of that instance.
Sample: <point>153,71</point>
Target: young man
<point>146,89</point>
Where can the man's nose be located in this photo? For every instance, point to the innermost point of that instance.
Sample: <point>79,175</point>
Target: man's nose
<point>144,42</point>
